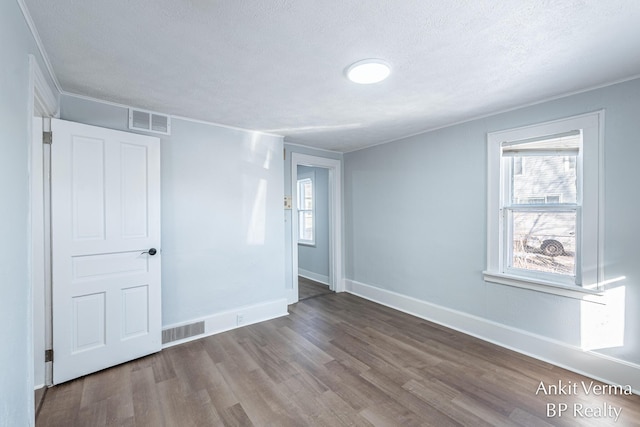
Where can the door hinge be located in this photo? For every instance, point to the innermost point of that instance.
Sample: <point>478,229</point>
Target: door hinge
<point>47,137</point>
<point>48,356</point>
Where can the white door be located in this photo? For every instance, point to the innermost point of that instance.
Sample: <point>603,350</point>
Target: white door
<point>105,213</point>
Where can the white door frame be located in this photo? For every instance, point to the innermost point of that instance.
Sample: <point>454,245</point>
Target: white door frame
<point>336,272</point>
<point>42,103</point>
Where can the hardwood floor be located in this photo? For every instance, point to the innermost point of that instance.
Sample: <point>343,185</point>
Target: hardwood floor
<point>335,360</point>
<point>39,398</point>
<point>309,289</point>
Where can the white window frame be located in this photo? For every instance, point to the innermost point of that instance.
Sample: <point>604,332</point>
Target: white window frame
<point>589,242</point>
<point>307,177</point>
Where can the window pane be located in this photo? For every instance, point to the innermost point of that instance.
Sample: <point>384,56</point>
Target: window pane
<point>544,241</point>
<point>305,210</point>
<point>546,179</point>
<point>305,194</point>
<point>307,202</point>
<point>305,225</point>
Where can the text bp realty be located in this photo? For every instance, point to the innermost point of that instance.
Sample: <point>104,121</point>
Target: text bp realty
<point>578,410</point>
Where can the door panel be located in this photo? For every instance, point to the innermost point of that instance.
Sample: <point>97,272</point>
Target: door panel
<point>88,194</point>
<point>134,312</point>
<point>105,188</point>
<point>88,322</point>
<point>134,191</point>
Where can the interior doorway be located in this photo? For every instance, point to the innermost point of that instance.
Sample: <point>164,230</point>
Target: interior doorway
<point>313,231</point>
<point>332,276</point>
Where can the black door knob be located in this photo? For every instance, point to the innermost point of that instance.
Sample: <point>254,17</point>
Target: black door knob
<point>151,252</point>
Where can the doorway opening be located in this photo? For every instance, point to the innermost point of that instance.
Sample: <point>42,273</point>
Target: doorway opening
<point>313,231</point>
<point>315,260</point>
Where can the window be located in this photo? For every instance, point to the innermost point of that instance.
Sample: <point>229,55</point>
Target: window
<point>518,165</point>
<point>540,231</point>
<point>306,210</point>
<point>543,224</point>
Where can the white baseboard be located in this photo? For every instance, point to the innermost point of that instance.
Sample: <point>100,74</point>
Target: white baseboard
<point>594,365</point>
<point>313,276</point>
<point>228,320</point>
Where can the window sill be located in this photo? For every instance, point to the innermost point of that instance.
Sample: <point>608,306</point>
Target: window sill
<point>539,285</point>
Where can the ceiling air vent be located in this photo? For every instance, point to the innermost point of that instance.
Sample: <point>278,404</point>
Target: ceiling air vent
<point>149,121</point>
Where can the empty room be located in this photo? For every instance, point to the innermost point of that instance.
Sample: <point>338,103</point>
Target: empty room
<point>300,213</point>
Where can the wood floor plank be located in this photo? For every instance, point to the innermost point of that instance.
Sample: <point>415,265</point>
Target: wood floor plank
<point>94,414</point>
<point>304,399</point>
<point>202,409</point>
<point>253,402</point>
<point>342,412</point>
<point>162,367</point>
<point>308,288</point>
<point>392,415</point>
<point>524,418</point>
<point>280,403</point>
<point>301,344</point>
<point>336,360</point>
<point>398,397</point>
<point>174,404</point>
<point>478,407</point>
<point>440,397</point>
<point>235,416</point>
<point>147,407</point>
<point>323,342</point>
<point>61,405</point>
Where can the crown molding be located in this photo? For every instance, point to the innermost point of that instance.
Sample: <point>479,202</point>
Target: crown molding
<point>38,41</point>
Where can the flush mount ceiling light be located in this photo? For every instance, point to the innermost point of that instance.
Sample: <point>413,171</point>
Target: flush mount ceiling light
<point>368,71</point>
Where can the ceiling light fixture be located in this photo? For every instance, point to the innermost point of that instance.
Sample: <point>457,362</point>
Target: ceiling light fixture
<point>368,71</point>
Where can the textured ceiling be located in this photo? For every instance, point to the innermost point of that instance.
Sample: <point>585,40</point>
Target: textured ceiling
<point>278,65</point>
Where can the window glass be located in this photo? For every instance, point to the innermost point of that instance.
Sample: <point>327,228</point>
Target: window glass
<point>544,241</point>
<point>546,181</point>
<point>541,231</point>
<point>306,211</point>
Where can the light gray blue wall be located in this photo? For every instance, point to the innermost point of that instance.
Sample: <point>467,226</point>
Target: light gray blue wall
<point>415,213</point>
<point>16,358</point>
<point>316,258</point>
<point>222,225</point>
